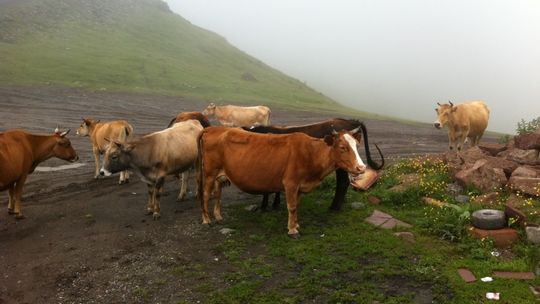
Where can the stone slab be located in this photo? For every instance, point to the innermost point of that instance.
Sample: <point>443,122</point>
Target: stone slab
<point>514,275</point>
<point>466,275</point>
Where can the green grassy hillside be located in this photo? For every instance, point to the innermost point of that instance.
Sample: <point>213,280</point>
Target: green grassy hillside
<point>135,45</point>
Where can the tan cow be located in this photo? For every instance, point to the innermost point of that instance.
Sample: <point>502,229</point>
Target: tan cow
<point>261,163</point>
<point>154,156</point>
<point>465,120</point>
<point>183,116</point>
<point>235,116</point>
<point>20,153</point>
<point>99,133</point>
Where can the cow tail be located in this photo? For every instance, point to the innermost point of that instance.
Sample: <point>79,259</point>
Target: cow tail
<point>268,119</point>
<point>199,166</point>
<point>370,161</point>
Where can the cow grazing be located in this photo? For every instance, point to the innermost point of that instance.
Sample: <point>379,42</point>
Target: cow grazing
<point>465,120</point>
<point>20,153</point>
<point>235,116</point>
<point>154,156</point>
<point>100,133</point>
<point>320,130</point>
<point>264,163</point>
<point>183,116</point>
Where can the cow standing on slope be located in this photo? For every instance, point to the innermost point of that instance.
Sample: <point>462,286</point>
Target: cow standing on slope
<point>20,153</point>
<point>465,120</point>
<point>100,133</point>
<point>154,156</point>
<point>264,163</point>
<point>235,116</point>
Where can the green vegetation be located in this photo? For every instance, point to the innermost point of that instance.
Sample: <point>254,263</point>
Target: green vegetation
<point>342,259</point>
<point>140,46</point>
<point>527,127</point>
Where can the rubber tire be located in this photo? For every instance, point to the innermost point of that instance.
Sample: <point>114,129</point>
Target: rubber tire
<point>489,219</point>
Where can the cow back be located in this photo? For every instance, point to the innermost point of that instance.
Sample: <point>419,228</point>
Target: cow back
<point>474,115</point>
<point>113,130</point>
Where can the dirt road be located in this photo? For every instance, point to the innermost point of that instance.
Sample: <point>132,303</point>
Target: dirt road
<point>89,241</point>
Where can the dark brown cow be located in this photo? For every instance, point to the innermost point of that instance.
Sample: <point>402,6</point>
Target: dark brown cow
<point>264,163</point>
<point>20,153</point>
<point>320,130</point>
<point>183,116</point>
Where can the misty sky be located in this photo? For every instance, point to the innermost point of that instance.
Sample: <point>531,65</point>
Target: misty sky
<point>393,57</point>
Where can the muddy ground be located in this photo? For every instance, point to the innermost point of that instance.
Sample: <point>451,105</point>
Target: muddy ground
<point>89,241</point>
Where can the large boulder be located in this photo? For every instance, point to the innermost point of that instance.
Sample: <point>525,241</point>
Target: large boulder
<point>526,171</point>
<point>483,175</point>
<point>528,185</point>
<point>492,148</point>
<point>524,157</point>
<point>528,141</point>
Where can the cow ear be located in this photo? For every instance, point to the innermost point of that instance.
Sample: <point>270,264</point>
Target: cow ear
<point>454,109</point>
<point>128,147</point>
<point>329,140</point>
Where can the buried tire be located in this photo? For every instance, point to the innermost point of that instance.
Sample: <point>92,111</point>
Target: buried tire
<point>489,219</point>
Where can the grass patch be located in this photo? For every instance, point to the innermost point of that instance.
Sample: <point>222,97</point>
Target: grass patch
<point>342,259</point>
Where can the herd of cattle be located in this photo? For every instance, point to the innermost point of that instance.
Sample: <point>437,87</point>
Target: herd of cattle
<point>245,150</point>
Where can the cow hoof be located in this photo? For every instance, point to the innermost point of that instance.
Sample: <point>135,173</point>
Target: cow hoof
<point>156,216</point>
<point>295,236</point>
<point>10,211</point>
<point>19,216</point>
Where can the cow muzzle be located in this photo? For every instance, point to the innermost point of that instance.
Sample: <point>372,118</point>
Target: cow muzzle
<point>437,124</point>
<point>76,158</point>
<point>104,172</point>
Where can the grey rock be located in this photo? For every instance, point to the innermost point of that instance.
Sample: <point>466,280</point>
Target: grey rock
<point>226,231</point>
<point>462,198</point>
<point>357,205</point>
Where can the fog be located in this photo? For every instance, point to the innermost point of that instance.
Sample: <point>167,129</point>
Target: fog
<point>393,57</point>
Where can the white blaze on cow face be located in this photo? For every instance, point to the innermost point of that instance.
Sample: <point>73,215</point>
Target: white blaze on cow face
<point>352,143</point>
<point>105,172</point>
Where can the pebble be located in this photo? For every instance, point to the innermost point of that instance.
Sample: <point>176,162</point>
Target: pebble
<point>357,205</point>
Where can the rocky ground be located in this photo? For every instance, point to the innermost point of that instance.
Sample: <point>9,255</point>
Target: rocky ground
<point>89,241</point>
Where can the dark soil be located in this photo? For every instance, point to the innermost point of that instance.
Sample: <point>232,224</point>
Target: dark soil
<point>89,241</point>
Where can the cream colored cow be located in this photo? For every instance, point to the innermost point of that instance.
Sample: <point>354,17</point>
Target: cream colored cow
<point>464,120</point>
<point>100,133</point>
<point>235,116</point>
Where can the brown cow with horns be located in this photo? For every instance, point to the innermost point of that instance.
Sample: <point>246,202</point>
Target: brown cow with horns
<point>264,163</point>
<point>20,153</point>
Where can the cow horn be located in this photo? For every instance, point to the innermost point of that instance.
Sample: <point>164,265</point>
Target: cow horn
<point>451,104</point>
<point>353,131</point>
<point>56,130</point>
<point>65,133</point>
<point>334,132</point>
<point>438,104</point>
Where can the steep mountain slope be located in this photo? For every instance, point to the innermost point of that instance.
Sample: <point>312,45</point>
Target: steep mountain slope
<point>134,45</point>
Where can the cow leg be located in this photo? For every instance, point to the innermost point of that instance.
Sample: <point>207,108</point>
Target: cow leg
<point>124,177</point>
<point>208,184</point>
<point>342,184</point>
<point>11,199</point>
<point>451,141</point>
<point>157,197</point>
<point>95,150</point>
<point>150,203</point>
<point>18,194</point>
<point>291,195</point>
<point>264,203</point>
<point>183,186</point>
<point>461,141</point>
<point>277,201</point>
<point>217,204</point>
